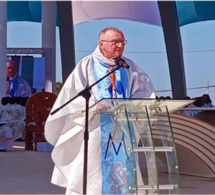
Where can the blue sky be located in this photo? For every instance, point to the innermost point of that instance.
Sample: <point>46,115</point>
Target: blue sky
<point>145,46</point>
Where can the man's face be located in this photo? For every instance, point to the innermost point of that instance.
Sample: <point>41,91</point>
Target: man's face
<point>11,70</point>
<point>112,44</point>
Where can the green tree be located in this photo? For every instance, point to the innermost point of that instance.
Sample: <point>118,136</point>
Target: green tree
<point>59,86</point>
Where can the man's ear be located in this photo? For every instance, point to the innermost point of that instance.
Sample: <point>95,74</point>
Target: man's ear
<point>100,43</point>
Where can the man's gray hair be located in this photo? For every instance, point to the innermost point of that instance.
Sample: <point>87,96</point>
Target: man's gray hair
<point>13,63</point>
<point>103,31</point>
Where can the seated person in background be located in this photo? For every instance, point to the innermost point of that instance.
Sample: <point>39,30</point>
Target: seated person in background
<point>4,115</point>
<point>17,86</point>
<point>7,106</point>
<point>161,98</point>
<point>197,104</point>
<point>14,102</point>
<point>6,137</point>
<point>207,103</point>
<point>187,98</point>
<point>5,132</point>
<point>23,108</point>
<point>185,112</point>
<point>17,124</point>
<point>15,118</point>
<point>6,142</point>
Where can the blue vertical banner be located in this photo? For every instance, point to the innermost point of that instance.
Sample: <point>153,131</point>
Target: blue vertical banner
<point>27,69</point>
<point>118,163</point>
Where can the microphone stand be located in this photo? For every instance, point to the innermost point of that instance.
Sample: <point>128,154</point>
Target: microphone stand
<point>86,94</point>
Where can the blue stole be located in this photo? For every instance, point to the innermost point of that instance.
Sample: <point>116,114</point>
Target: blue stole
<point>118,164</point>
<point>13,87</point>
<point>105,86</point>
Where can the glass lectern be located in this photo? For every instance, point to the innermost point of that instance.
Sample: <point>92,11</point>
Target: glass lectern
<point>128,142</point>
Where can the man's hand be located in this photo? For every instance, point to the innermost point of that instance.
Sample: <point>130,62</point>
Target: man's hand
<point>103,105</point>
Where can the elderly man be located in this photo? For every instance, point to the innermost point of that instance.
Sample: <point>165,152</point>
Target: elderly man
<point>65,128</point>
<point>17,86</point>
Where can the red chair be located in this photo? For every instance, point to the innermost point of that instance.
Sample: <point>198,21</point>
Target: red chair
<point>38,107</point>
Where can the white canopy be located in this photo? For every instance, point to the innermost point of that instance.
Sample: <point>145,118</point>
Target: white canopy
<point>141,11</point>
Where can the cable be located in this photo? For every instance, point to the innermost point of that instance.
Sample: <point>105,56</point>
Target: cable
<point>168,90</point>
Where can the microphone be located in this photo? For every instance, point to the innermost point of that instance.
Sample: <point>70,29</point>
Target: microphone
<point>120,62</point>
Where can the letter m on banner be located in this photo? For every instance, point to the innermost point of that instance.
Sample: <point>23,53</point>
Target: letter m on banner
<point>116,150</point>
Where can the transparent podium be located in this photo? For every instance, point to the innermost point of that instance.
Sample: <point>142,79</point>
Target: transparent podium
<point>131,152</point>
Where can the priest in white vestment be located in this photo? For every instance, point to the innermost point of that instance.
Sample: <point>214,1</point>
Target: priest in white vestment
<point>65,129</point>
<point>6,137</point>
<point>17,85</point>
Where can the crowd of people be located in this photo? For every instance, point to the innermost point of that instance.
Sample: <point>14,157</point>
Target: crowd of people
<point>12,116</point>
<point>203,101</point>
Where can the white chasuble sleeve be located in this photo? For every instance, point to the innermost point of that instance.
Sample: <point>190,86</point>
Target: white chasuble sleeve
<point>65,128</point>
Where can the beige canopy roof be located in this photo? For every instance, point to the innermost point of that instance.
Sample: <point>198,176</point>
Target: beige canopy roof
<point>141,11</point>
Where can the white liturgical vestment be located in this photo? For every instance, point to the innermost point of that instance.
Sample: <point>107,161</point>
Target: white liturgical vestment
<point>65,129</point>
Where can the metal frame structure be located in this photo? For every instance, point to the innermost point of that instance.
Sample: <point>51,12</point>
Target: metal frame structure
<point>42,51</point>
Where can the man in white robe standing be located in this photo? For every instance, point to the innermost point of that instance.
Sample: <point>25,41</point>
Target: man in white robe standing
<point>65,129</point>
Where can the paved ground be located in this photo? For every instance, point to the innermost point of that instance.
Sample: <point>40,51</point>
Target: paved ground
<point>29,172</point>
<point>26,172</point>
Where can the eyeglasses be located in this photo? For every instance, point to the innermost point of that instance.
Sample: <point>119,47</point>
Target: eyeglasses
<point>116,42</point>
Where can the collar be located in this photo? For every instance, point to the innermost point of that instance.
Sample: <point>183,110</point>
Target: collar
<point>97,53</point>
<point>13,77</point>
